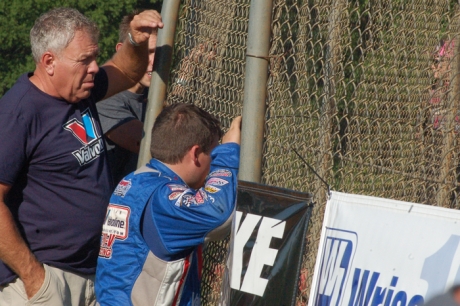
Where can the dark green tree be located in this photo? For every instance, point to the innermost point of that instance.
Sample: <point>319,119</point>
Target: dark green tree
<point>18,16</point>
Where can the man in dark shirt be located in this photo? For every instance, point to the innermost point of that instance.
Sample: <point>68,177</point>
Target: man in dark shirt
<point>54,179</point>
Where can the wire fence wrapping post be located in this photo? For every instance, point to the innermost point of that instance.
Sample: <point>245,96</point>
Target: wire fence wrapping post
<point>160,76</point>
<point>448,178</point>
<point>255,91</point>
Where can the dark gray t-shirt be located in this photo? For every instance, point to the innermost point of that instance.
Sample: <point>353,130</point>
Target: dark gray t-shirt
<point>116,111</point>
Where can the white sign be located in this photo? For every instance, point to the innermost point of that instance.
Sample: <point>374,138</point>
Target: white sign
<point>376,251</point>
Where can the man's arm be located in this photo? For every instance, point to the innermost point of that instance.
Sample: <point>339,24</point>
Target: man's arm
<point>120,122</point>
<point>127,135</point>
<point>15,253</point>
<point>129,63</point>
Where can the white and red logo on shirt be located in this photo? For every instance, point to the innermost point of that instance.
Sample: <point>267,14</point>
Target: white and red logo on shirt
<point>88,135</point>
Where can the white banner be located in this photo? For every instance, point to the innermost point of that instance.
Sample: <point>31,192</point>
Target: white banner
<point>376,251</point>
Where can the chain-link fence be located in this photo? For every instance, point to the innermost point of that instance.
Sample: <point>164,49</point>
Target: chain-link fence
<point>365,91</point>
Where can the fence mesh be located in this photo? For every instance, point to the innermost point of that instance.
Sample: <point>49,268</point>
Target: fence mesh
<point>365,91</point>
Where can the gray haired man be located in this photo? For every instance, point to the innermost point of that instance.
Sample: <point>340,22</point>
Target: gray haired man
<point>54,177</point>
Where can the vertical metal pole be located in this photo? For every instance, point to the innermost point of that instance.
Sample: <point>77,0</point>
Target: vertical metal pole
<point>447,173</point>
<point>255,90</point>
<point>160,76</point>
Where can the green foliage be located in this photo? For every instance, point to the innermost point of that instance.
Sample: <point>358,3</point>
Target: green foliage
<point>18,16</point>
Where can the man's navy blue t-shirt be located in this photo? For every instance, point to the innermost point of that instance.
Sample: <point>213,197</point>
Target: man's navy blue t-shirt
<point>52,154</point>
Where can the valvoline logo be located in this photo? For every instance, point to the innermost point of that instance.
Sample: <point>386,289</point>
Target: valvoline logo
<point>87,134</point>
<point>335,266</point>
<point>115,227</point>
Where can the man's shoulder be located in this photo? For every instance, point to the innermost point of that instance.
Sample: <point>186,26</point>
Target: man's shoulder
<point>22,98</point>
<point>121,98</point>
<point>115,110</point>
<point>117,106</point>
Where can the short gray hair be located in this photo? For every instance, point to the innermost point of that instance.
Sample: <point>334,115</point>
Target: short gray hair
<point>54,30</point>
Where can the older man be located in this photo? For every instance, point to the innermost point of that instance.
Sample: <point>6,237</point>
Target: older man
<point>54,178</point>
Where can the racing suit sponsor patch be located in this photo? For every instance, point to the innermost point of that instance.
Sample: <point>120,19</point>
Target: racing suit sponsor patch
<point>186,200</point>
<point>115,226</point>
<point>122,188</point>
<point>211,189</point>
<point>177,187</point>
<point>174,195</point>
<point>199,199</point>
<point>216,181</point>
<point>221,172</point>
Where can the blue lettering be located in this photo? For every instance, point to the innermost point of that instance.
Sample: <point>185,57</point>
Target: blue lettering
<point>378,296</point>
<point>416,300</point>
<point>364,292</point>
<point>334,268</point>
<point>374,279</point>
<point>354,287</point>
<point>400,299</point>
<point>393,283</point>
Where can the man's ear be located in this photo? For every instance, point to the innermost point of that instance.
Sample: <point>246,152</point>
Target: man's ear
<point>48,61</point>
<point>118,46</point>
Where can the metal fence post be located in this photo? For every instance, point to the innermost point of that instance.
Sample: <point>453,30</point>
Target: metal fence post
<point>160,76</point>
<point>255,90</point>
<point>447,179</point>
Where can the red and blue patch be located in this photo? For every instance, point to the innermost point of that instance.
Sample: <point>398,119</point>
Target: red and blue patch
<point>122,188</point>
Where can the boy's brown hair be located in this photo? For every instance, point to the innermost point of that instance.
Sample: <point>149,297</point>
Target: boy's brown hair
<point>178,128</point>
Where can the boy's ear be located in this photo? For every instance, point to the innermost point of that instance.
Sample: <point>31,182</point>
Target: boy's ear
<point>196,152</point>
<point>193,154</point>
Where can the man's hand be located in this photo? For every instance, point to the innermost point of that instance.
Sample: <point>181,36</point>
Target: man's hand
<point>129,64</point>
<point>15,253</point>
<point>234,133</point>
<point>33,283</point>
<point>143,24</point>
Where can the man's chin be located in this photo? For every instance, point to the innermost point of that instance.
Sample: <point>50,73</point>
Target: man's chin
<point>86,94</point>
<point>145,81</point>
<point>82,96</point>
